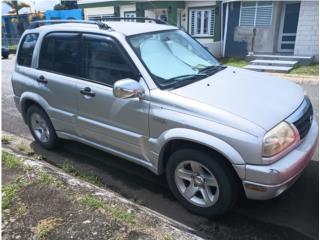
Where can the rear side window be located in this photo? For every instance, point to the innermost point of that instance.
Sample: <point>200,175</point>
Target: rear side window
<point>26,49</point>
<point>104,62</point>
<point>60,53</point>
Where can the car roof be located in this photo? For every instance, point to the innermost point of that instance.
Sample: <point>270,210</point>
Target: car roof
<point>126,28</point>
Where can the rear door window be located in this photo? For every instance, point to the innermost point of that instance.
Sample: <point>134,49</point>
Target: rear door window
<point>26,49</point>
<point>60,53</point>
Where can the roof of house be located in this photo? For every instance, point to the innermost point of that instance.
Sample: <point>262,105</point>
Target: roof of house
<point>126,28</point>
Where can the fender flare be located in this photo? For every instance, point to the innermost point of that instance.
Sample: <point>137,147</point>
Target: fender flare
<point>209,141</point>
<point>33,97</point>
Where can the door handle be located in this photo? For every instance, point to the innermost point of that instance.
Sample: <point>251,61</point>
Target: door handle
<point>42,79</point>
<point>87,92</point>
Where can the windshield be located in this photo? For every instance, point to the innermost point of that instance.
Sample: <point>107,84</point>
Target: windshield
<point>173,57</point>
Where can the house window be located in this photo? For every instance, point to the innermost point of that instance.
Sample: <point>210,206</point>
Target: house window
<point>256,13</point>
<point>98,18</point>
<point>201,22</point>
<point>130,15</point>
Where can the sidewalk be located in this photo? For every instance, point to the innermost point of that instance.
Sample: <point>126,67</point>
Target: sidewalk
<point>300,79</point>
<point>40,201</point>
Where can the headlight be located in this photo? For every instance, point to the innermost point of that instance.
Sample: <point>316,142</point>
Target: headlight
<point>278,139</point>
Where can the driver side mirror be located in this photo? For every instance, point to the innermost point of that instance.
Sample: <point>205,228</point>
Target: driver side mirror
<point>127,88</point>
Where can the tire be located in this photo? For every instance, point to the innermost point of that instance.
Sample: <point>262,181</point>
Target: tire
<point>5,56</point>
<point>212,170</point>
<point>41,127</point>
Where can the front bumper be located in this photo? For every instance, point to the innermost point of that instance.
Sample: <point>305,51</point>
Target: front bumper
<point>268,181</point>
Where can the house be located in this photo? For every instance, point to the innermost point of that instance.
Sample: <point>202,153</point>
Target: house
<point>265,30</point>
<point>271,30</point>
<point>201,19</point>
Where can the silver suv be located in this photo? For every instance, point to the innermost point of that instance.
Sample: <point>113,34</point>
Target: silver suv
<point>153,95</point>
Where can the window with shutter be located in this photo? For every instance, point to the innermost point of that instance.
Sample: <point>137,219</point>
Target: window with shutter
<point>256,13</point>
<point>201,22</point>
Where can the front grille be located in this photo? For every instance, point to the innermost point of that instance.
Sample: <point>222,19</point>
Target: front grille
<point>304,120</point>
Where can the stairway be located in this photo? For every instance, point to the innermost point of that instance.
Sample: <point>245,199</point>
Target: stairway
<point>275,63</point>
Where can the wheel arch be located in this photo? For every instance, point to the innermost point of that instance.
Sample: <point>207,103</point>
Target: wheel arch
<point>27,99</point>
<point>194,139</point>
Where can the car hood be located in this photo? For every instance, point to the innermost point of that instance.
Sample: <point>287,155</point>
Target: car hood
<point>256,97</point>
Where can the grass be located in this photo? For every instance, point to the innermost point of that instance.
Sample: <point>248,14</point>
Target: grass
<point>11,161</point>
<point>45,226</point>
<point>9,192</point>
<point>68,168</point>
<point>117,213</point>
<point>234,62</point>
<point>311,69</point>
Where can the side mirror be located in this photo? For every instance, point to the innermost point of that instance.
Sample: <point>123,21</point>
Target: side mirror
<point>127,88</point>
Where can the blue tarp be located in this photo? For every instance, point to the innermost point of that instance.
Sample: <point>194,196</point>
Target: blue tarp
<point>74,14</point>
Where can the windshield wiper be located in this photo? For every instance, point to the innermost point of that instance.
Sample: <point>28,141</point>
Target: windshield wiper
<point>183,80</point>
<point>212,69</point>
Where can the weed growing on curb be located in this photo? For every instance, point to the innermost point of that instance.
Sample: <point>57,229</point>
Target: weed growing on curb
<point>68,168</point>
<point>167,237</point>
<point>116,212</point>
<point>10,160</point>
<point>23,147</point>
<point>5,139</point>
<point>46,178</point>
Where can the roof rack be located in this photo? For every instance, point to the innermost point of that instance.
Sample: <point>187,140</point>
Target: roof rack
<point>36,24</point>
<point>158,21</point>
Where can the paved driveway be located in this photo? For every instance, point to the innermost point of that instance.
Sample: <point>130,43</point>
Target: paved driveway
<point>293,215</point>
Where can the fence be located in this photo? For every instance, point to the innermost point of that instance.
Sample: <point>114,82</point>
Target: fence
<point>12,43</point>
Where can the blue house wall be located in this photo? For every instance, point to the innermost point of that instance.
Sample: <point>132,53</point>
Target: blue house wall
<point>74,14</point>
<point>233,48</point>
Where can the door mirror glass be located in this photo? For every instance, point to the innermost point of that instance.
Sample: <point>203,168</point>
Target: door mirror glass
<point>127,88</point>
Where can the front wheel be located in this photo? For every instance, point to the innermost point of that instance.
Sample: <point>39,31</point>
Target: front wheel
<point>202,182</point>
<point>41,127</point>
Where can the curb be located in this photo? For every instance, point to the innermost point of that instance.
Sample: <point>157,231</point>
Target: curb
<point>176,229</point>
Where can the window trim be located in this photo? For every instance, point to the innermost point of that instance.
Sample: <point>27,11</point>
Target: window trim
<point>255,15</point>
<point>210,7</point>
<point>51,71</point>
<point>20,47</point>
<point>117,43</point>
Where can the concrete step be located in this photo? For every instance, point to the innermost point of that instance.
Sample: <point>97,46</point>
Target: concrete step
<point>267,68</point>
<point>274,63</point>
<point>301,59</point>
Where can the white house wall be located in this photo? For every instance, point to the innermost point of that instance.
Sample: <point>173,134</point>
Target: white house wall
<point>307,39</point>
<point>127,8</point>
<point>97,11</point>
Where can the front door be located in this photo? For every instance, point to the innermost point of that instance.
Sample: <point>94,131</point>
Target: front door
<point>288,27</point>
<point>119,124</point>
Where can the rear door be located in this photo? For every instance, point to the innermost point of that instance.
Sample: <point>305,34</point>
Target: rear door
<point>120,124</point>
<point>56,76</point>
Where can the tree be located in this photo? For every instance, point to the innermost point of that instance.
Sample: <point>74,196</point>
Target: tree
<point>16,6</point>
<point>66,5</point>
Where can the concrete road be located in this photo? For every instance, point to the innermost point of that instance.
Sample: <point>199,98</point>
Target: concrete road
<point>293,215</point>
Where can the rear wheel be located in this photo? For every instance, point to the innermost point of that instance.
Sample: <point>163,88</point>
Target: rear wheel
<point>202,182</point>
<point>41,127</point>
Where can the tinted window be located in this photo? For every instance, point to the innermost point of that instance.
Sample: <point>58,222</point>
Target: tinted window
<point>60,53</point>
<point>104,63</point>
<point>26,49</point>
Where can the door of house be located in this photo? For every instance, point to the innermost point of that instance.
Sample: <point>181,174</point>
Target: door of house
<point>288,26</point>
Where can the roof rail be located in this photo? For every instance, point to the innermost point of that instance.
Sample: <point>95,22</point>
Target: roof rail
<point>158,21</point>
<point>36,24</point>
